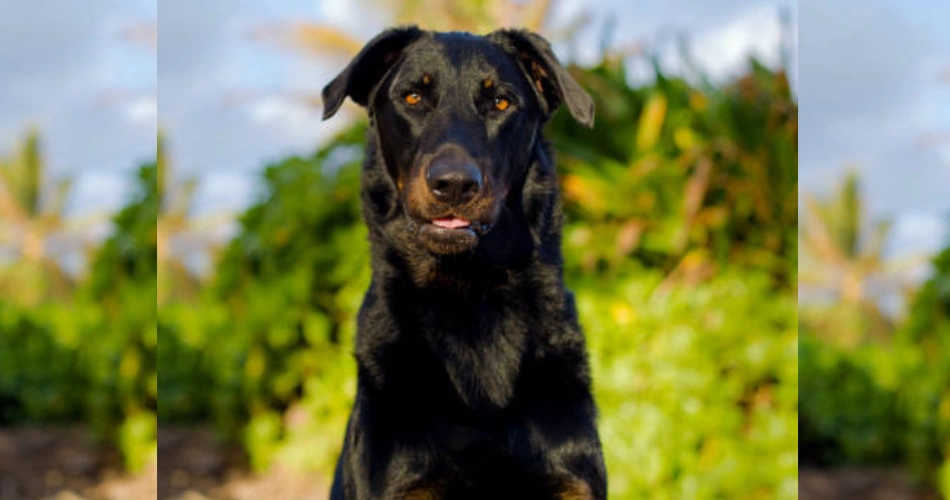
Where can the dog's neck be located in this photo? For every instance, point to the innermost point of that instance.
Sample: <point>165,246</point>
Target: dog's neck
<point>477,338</point>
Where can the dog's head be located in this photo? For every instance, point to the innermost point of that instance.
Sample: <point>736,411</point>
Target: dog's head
<point>458,117</point>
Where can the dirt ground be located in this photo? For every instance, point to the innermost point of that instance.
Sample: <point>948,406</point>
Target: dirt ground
<point>46,463</point>
<point>859,484</point>
<point>65,464</point>
<point>196,467</point>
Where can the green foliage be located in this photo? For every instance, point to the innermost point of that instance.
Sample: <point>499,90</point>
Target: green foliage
<point>672,170</point>
<point>848,412</point>
<point>680,246</point>
<point>39,374</point>
<point>695,376</point>
<point>92,358</point>
<point>697,387</point>
<point>272,332</point>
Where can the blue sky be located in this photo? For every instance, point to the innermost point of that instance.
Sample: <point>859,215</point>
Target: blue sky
<point>869,75</point>
<point>867,78</point>
<point>67,71</point>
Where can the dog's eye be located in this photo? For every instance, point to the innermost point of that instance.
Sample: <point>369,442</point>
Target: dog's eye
<point>413,98</point>
<point>502,103</point>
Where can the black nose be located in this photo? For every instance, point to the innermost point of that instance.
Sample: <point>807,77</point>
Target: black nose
<point>453,182</point>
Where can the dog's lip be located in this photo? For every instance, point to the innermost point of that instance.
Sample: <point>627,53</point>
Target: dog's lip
<point>444,240</point>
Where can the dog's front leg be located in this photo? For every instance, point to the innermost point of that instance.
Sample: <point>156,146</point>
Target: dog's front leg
<point>570,451</point>
<point>395,477</point>
<point>377,466</point>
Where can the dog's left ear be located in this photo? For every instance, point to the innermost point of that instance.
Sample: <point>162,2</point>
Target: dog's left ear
<point>553,84</point>
<point>367,69</point>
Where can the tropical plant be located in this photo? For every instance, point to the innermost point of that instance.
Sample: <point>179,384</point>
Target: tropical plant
<point>844,266</point>
<point>842,255</point>
<point>175,225</point>
<point>31,210</point>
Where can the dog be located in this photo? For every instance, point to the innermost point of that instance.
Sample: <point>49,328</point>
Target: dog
<point>473,378</point>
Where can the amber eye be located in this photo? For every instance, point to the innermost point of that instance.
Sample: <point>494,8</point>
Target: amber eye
<point>501,103</point>
<point>413,98</point>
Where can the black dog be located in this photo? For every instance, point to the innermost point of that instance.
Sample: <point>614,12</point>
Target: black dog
<point>473,373</point>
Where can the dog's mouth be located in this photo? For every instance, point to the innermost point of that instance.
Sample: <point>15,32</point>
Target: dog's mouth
<point>451,234</point>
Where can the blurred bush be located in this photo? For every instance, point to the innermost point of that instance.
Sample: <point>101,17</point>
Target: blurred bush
<point>697,388</point>
<point>679,245</point>
<point>89,356</point>
<point>681,178</point>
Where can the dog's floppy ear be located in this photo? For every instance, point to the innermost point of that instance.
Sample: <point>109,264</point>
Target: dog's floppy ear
<point>552,82</point>
<point>367,69</point>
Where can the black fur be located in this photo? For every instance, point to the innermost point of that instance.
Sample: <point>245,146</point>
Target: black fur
<point>473,373</point>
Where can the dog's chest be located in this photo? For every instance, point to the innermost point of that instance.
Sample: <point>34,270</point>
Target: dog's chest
<point>481,351</point>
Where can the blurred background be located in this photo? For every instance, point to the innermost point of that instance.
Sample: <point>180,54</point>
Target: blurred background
<point>78,385</point>
<point>680,240</point>
<point>682,222</point>
<point>875,249</point>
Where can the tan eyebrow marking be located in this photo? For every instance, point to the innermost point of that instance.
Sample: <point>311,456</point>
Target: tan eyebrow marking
<point>426,79</point>
<point>488,83</point>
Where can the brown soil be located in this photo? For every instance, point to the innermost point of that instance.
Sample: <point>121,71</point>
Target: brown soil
<point>196,466</point>
<point>45,463</point>
<point>860,484</point>
<point>39,463</point>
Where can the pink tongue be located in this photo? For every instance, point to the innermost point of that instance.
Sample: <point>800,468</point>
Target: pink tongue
<point>451,223</point>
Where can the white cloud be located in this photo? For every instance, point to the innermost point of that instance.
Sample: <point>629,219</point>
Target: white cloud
<point>142,111</point>
<point>919,233</point>
<point>340,12</point>
<point>99,191</point>
<point>945,154</point>
<point>720,35</point>
<point>296,121</point>
<point>276,110</point>
<point>359,17</point>
<point>224,191</point>
<point>725,50</point>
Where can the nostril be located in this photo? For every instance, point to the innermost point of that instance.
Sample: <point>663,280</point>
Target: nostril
<point>454,182</point>
<point>441,184</point>
<point>471,186</point>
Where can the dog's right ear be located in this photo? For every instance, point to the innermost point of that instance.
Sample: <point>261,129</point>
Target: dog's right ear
<point>367,69</point>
